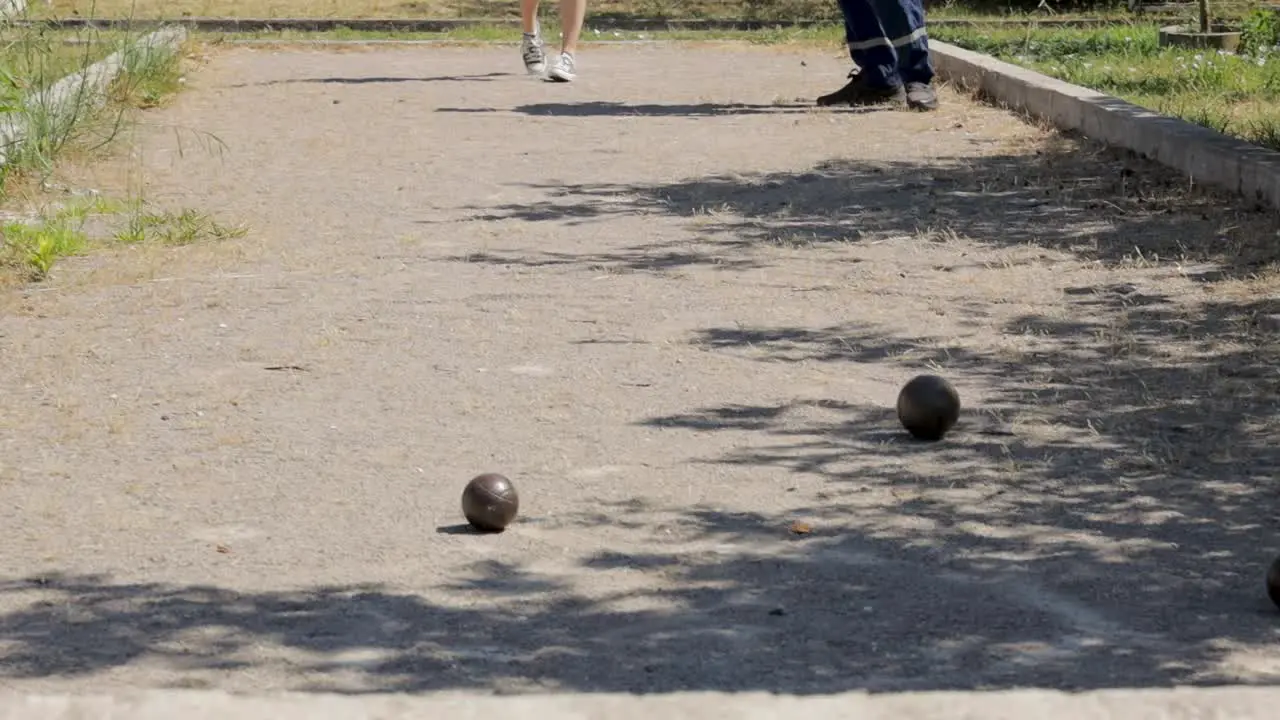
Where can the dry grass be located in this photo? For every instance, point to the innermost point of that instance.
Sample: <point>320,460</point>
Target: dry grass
<point>249,8</point>
<point>394,8</point>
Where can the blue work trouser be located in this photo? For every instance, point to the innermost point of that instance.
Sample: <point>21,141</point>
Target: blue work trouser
<point>887,40</point>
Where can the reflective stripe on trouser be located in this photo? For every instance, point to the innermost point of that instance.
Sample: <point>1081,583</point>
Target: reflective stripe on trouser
<point>887,39</point>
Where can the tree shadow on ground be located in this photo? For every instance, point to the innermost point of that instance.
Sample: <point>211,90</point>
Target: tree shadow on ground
<point>643,258</point>
<point>603,108</point>
<point>1121,463</point>
<point>377,80</point>
<point>1116,538</point>
<point>1067,196</point>
<point>1133,486</point>
<point>757,610</point>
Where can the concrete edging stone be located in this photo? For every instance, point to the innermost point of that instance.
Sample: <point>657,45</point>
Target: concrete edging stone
<point>1206,156</point>
<point>89,83</point>
<point>12,8</point>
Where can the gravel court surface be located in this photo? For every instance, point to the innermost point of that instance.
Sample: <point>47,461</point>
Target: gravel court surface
<point>675,304</point>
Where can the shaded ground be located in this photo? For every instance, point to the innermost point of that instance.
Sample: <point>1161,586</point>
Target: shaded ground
<point>675,307</point>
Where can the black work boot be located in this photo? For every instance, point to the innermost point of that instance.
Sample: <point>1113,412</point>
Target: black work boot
<point>920,96</point>
<point>859,93</point>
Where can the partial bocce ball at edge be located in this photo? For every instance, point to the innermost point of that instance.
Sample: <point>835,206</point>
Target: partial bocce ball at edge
<point>490,502</point>
<point>1273,581</point>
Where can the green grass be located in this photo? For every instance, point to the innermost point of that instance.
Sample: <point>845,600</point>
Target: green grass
<point>149,78</point>
<point>172,228</point>
<point>34,57</point>
<point>33,248</point>
<point>35,60</point>
<point>29,249</point>
<point>1234,94</point>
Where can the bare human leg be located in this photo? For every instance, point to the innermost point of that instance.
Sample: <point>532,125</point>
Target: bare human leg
<point>572,14</point>
<point>529,16</point>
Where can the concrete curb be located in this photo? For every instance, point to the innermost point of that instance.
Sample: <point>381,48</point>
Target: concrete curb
<point>53,104</point>
<point>594,22</point>
<point>1206,156</point>
<point>12,8</point>
<point>1233,703</point>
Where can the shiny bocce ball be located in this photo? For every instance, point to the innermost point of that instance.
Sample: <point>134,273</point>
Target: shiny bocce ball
<point>490,502</point>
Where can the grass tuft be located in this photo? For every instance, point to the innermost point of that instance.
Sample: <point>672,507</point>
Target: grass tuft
<point>32,249</point>
<point>173,228</point>
<point>29,248</point>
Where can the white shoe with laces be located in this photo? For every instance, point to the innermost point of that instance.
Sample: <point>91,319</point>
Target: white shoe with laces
<point>563,69</point>
<point>535,58</point>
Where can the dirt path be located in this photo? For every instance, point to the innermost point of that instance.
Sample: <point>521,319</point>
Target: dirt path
<point>675,306</point>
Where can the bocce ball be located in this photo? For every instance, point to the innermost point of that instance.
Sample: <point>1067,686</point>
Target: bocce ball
<point>928,407</point>
<point>1273,582</point>
<point>490,502</point>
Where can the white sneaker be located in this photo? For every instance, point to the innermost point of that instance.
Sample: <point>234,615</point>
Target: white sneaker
<point>562,70</point>
<point>535,58</point>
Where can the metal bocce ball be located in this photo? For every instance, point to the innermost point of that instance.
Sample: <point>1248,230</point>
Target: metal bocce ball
<point>928,407</point>
<point>490,502</point>
<point>1273,582</point>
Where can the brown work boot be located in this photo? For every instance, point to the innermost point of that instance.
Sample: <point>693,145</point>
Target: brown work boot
<point>920,96</point>
<point>859,93</point>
